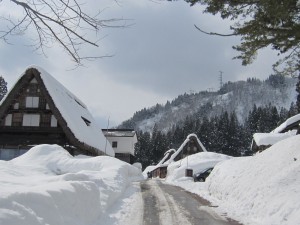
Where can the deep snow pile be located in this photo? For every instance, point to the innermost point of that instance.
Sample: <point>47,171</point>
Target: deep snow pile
<point>47,185</point>
<point>257,190</point>
<point>263,189</point>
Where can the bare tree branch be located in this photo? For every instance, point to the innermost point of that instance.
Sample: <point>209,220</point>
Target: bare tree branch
<point>213,33</point>
<point>60,21</point>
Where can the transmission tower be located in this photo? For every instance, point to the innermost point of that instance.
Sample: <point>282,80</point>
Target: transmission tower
<point>221,79</point>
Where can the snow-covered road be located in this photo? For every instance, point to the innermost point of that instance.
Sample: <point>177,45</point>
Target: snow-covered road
<point>153,202</point>
<point>169,205</point>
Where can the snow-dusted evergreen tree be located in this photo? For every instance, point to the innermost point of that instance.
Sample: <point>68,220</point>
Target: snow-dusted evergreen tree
<point>221,133</point>
<point>252,120</point>
<point>158,145</point>
<point>234,136</point>
<point>263,119</point>
<point>283,115</point>
<point>3,87</point>
<point>205,132</point>
<point>293,110</point>
<point>142,149</point>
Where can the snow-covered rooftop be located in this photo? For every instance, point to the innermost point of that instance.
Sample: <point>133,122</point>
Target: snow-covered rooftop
<point>271,138</point>
<point>76,114</point>
<point>118,132</point>
<point>164,160</point>
<point>184,143</point>
<point>288,122</point>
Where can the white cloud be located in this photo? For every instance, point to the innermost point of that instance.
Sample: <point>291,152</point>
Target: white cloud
<point>159,57</point>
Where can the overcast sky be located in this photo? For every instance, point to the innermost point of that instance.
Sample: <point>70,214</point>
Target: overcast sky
<point>158,57</point>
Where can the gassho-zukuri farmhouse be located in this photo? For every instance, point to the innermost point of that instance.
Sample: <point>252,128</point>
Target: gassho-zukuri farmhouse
<point>40,110</point>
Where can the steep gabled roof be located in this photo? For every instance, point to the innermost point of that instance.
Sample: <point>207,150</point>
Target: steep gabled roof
<point>167,156</point>
<point>71,113</point>
<point>187,140</point>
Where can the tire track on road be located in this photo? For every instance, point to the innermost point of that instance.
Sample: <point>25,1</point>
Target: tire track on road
<point>169,205</point>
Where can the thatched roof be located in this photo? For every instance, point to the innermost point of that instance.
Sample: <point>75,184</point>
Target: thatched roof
<point>290,124</point>
<point>71,113</point>
<point>190,138</point>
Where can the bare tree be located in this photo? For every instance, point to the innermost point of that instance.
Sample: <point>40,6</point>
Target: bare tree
<point>61,21</point>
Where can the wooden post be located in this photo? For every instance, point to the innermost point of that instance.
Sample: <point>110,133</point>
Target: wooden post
<point>189,173</point>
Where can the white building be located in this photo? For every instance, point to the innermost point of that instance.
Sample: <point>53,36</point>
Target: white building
<point>122,142</point>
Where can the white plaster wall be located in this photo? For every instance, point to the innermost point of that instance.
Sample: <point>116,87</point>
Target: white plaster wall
<point>125,144</point>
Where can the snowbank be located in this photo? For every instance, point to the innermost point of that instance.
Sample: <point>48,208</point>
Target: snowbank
<point>47,185</point>
<point>263,189</point>
<point>257,190</point>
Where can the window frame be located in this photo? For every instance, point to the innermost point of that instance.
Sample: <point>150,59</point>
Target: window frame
<point>114,144</point>
<point>32,102</point>
<point>8,120</point>
<point>31,120</point>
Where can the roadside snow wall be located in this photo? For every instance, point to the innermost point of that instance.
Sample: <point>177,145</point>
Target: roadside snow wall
<point>47,185</point>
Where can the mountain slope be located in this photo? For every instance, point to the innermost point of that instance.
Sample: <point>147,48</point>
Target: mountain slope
<point>237,96</point>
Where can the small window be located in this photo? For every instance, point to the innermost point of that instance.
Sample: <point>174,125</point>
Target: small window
<point>31,120</point>
<point>53,121</point>
<point>114,144</point>
<point>87,122</point>
<point>33,81</point>
<point>16,105</point>
<point>8,120</point>
<point>32,102</point>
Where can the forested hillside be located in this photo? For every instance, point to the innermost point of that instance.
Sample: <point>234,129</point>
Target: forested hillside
<point>238,97</point>
<point>224,121</point>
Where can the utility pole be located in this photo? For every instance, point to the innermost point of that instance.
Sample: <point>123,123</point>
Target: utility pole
<point>107,134</point>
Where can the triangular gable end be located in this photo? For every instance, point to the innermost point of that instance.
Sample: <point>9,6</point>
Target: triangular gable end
<point>37,119</point>
<point>190,146</point>
<point>26,118</point>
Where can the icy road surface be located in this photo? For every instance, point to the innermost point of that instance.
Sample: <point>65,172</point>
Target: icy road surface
<point>169,205</point>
